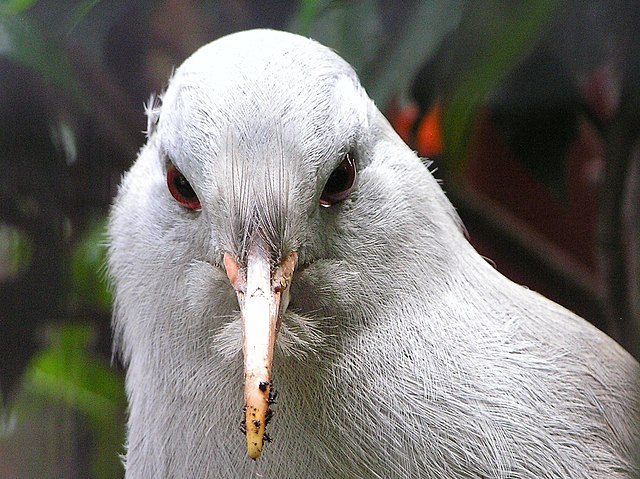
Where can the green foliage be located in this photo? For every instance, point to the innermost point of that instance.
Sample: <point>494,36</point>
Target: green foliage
<point>81,11</point>
<point>65,372</point>
<point>350,27</point>
<point>505,33</point>
<point>500,33</point>
<point>307,13</point>
<point>355,29</point>
<point>12,7</point>
<point>16,251</point>
<point>24,42</point>
<point>425,29</point>
<point>87,267</point>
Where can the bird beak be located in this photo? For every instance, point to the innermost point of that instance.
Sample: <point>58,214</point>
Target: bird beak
<point>263,296</point>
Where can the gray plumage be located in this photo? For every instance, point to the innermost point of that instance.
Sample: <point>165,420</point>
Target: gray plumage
<point>402,352</point>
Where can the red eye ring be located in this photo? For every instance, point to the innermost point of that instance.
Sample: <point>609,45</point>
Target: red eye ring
<point>181,190</point>
<point>340,183</point>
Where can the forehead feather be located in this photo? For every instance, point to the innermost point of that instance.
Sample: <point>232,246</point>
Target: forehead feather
<point>256,81</point>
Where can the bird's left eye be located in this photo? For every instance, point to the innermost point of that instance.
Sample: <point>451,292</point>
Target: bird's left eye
<point>340,183</point>
<point>181,190</point>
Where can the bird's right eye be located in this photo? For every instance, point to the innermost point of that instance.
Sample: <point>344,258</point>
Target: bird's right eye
<point>181,190</point>
<point>340,183</point>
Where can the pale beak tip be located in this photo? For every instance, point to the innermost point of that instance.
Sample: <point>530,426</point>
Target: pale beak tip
<point>256,417</point>
<point>254,451</point>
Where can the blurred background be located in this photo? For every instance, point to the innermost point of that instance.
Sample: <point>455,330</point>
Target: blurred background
<point>529,111</point>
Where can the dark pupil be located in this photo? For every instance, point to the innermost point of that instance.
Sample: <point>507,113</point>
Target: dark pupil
<point>183,187</point>
<point>339,179</point>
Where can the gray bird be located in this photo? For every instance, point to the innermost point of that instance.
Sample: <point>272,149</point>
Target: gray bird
<point>276,235</point>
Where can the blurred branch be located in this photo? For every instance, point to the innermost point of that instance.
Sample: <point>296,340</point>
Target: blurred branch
<point>545,263</point>
<point>621,138</point>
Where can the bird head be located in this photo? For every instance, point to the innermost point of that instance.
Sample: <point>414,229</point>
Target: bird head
<point>273,209</point>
